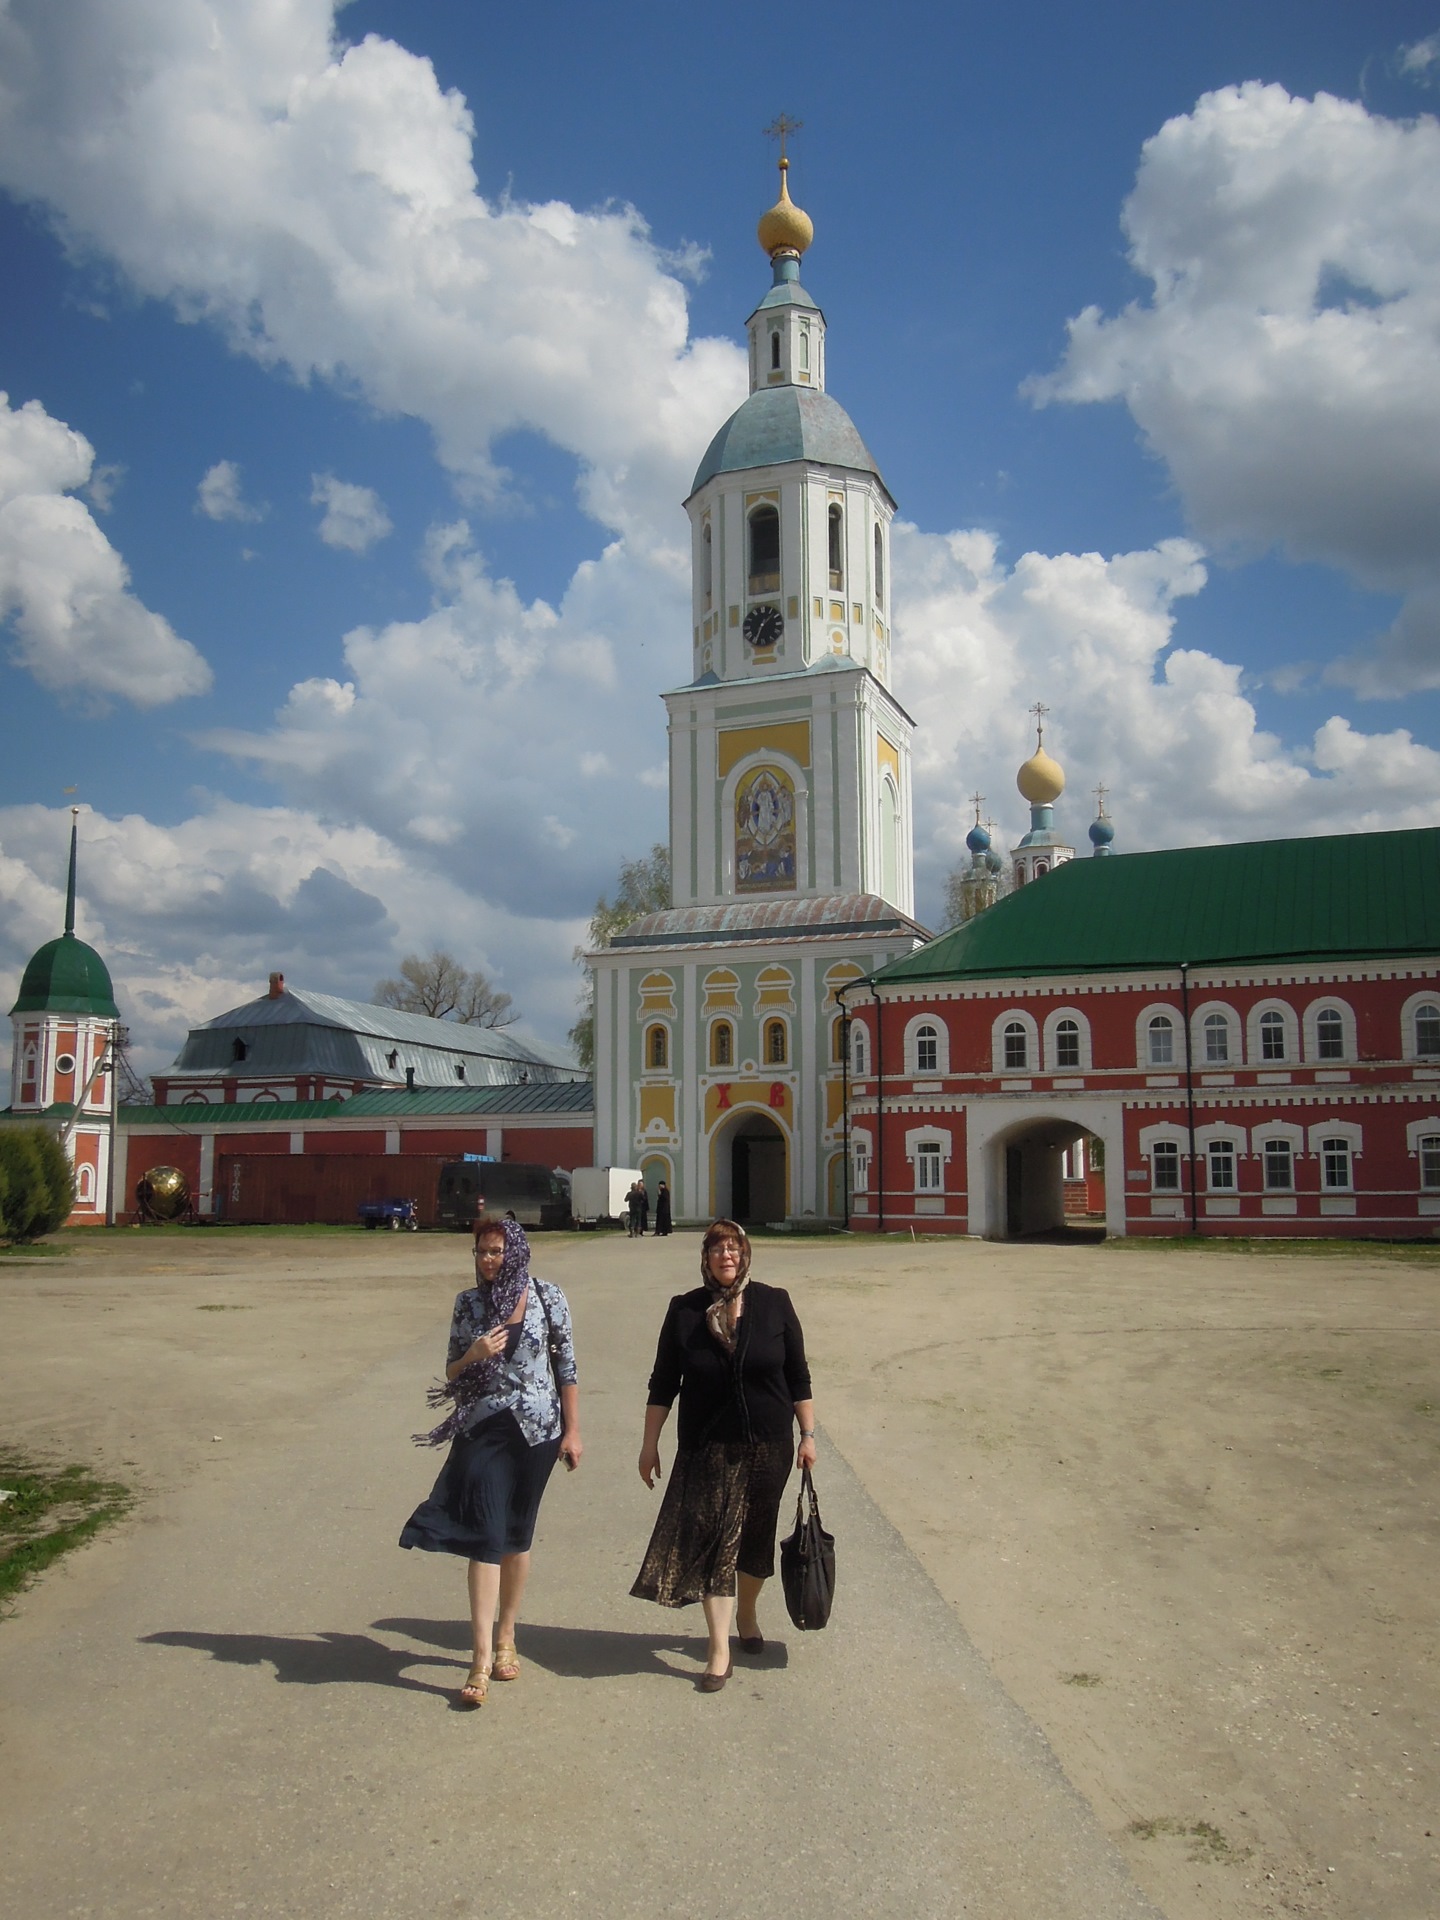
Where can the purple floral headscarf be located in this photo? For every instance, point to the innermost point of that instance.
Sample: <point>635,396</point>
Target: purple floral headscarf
<point>500,1299</point>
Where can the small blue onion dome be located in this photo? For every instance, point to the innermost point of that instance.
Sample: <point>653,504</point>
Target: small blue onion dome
<point>977,839</point>
<point>1102,832</point>
<point>994,862</point>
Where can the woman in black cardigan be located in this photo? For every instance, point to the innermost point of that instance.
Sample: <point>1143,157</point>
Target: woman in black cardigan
<point>733,1351</point>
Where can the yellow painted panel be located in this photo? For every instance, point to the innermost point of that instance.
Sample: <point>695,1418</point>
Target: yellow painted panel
<point>834,1102</point>
<point>790,737</point>
<point>887,756</point>
<point>771,1095</point>
<point>657,1103</point>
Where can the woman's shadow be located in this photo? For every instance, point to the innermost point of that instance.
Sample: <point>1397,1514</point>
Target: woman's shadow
<point>357,1659</point>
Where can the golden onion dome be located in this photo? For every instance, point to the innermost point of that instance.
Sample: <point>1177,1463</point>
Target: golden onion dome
<point>786,228</point>
<point>1041,780</point>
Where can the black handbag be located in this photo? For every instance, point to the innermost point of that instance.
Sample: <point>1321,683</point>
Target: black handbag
<point>807,1563</point>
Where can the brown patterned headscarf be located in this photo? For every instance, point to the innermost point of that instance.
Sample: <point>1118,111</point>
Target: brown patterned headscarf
<point>723,1311</point>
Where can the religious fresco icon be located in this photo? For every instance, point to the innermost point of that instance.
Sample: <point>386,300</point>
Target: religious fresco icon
<point>765,833</point>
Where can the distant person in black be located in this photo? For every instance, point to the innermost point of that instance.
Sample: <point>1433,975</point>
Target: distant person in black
<point>662,1210</point>
<point>642,1201</point>
<point>733,1351</point>
<point>632,1209</point>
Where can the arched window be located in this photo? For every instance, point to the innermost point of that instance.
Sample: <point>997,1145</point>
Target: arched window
<point>1217,1039</point>
<point>775,1047</point>
<point>804,349</point>
<point>774,353</point>
<point>1160,1041</point>
<point>1329,1034</point>
<point>765,550</point>
<point>1165,1166</point>
<point>1015,1052</point>
<point>859,1050</point>
<point>1427,1031</point>
<point>1272,1036</point>
<point>657,1048</point>
<point>879,568</point>
<point>1335,1165</point>
<point>238,1049</point>
<point>927,1050</point>
<point>1427,1148</point>
<point>1067,1044</point>
<point>836,522</point>
<point>889,838</point>
<point>722,1044</point>
<point>837,1039</point>
<point>459,1069</point>
<point>1220,1160</point>
<point>707,564</point>
<point>1041,866</point>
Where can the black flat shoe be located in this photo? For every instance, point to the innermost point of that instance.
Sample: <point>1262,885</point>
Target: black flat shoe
<point>713,1682</point>
<point>752,1643</point>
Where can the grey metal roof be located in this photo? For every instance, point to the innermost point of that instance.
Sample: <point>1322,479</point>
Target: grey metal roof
<point>822,917</point>
<point>786,423</point>
<point>789,293</point>
<point>303,1032</point>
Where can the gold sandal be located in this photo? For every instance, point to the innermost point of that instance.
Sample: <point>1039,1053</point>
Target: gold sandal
<point>473,1693</point>
<point>506,1665</point>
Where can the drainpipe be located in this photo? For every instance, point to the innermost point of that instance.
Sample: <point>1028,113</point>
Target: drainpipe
<point>880,1113</point>
<point>1189,1093</point>
<point>840,993</point>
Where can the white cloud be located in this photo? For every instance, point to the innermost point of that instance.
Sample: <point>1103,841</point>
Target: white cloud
<point>220,496</point>
<point>1419,59</point>
<point>77,628</point>
<point>1285,366</point>
<point>105,477</point>
<point>318,202</point>
<point>1168,729</point>
<point>354,517</point>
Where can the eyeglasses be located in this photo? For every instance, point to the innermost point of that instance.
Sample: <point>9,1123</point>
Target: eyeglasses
<point>722,1246</point>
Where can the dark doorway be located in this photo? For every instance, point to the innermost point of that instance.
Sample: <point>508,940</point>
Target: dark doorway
<point>757,1171</point>
<point>1014,1187</point>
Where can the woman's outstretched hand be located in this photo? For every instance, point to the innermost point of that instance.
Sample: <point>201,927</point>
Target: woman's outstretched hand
<point>805,1454</point>
<point>649,1465</point>
<point>571,1450</point>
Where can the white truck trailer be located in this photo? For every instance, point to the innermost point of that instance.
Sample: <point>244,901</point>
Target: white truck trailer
<point>600,1194</point>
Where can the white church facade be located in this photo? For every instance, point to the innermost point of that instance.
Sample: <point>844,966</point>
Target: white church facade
<point>719,1058</point>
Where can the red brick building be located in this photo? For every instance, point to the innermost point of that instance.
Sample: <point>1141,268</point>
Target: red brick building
<point>1246,1038</point>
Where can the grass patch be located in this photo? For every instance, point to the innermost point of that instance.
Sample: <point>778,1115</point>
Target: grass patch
<point>1415,1252</point>
<point>1082,1680</point>
<point>31,1250</point>
<point>224,1307</point>
<point>49,1510</point>
<point>1206,1841</point>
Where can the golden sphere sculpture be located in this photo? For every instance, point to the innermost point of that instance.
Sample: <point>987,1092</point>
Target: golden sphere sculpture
<point>162,1193</point>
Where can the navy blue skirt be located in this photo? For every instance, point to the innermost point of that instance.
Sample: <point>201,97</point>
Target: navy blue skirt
<point>484,1504</point>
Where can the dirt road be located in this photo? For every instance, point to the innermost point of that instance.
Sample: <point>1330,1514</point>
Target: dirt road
<point>1180,1505</point>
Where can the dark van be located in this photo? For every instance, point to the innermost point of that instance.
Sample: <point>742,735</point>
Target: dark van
<point>537,1196</point>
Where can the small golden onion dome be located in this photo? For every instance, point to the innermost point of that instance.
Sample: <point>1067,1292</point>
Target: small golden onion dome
<point>1041,780</point>
<point>786,228</point>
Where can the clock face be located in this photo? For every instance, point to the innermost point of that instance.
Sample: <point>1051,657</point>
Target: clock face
<point>763,626</point>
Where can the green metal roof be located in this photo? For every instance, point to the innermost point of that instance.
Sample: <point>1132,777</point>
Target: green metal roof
<point>66,976</point>
<point>786,423</point>
<point>1358,895</point>
<point>385,1103</point>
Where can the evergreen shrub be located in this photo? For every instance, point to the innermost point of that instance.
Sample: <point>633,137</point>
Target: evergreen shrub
<point>37,1183</point>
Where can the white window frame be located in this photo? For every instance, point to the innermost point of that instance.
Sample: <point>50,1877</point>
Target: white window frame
<point>1164,1133</point>
<point>1432,1183</point>
<point>1348,1130</point>
<point>1289,1027</point>
<point>859,1049</point>
<point>1033,1055</point>
<point>927,1142</point>
<point>1052,1040</point>
<point>1220,1133</point>
<point>1202,1061</point>
<point>1329,1003</point>
<point>913,1069</point>
<point>1294,1138</point>
<point>1155,1011</point>
<point>861,1157</point>
<point>1409,1026</point>
<point>771,1017</point>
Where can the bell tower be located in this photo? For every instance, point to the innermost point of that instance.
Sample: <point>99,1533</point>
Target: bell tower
<point>790,546</point>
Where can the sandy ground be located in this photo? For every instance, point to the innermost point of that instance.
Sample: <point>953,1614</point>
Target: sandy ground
<point>1182,1502</point>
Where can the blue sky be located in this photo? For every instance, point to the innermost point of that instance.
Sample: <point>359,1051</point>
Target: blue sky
<point>398,684</point>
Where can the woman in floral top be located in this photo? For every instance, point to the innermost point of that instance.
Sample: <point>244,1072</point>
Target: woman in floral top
<point>510,1376</point>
